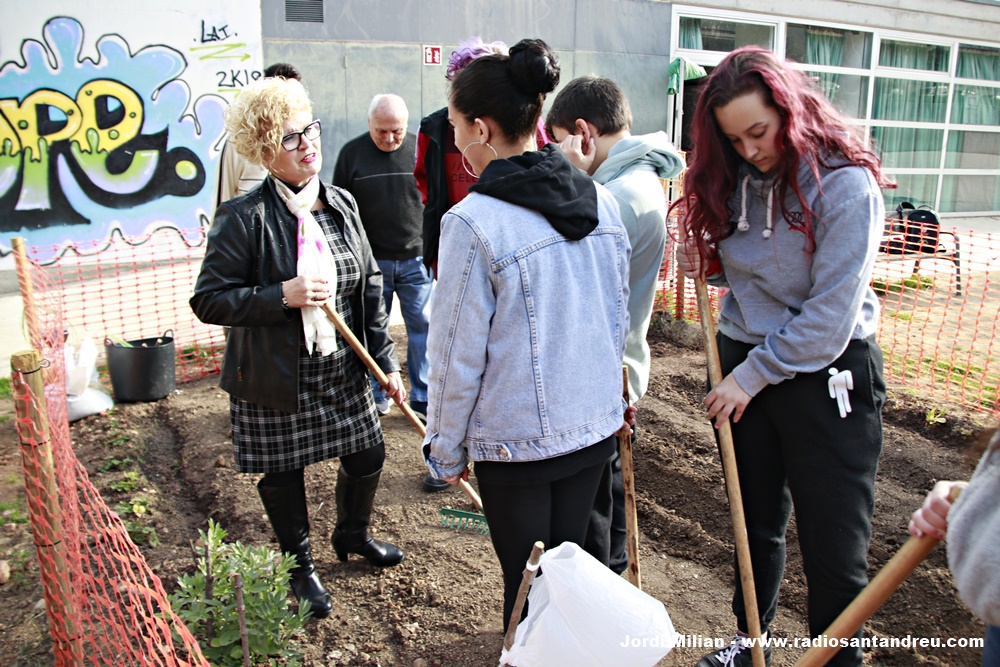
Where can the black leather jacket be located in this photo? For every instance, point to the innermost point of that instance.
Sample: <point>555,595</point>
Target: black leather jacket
<point>252,249</point>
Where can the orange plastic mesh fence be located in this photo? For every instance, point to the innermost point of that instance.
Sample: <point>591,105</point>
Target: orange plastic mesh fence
<point>939,300</point>
<point>105,605</point>
<point>131,289</point>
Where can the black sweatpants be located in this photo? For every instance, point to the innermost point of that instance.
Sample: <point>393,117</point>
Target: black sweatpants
<point>551,512</point>
<point>607,519</point>
<point>794,449</point>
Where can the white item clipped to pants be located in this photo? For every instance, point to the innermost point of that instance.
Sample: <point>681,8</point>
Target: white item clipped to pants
<point>581,613</point>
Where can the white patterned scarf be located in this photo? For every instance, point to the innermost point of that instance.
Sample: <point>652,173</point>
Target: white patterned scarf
<point>315,258</point>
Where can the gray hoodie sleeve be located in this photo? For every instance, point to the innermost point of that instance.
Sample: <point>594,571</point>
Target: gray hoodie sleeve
<point>974,540</point>
<point>847,230</point>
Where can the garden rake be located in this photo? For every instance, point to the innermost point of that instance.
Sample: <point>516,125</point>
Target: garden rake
<point>727,451</point>
<point>450,518</point>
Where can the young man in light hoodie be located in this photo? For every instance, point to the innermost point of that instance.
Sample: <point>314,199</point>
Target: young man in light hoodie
<point>591,120</point>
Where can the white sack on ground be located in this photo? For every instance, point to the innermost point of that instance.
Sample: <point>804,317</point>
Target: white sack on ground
<point>581,613</point>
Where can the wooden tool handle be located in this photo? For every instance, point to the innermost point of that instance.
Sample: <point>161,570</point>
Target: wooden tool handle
<point>628,483</point>
<point>732,476</point>
<point>522,595</point>
<point>383,380</point>
<point>471,492</point>
<point>874,595</point>
<point>379,374</point>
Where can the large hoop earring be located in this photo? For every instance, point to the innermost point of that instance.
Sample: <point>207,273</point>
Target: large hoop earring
<point>468,167</point>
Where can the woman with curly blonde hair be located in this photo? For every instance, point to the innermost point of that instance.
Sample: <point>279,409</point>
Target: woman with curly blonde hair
<point>298,393</point>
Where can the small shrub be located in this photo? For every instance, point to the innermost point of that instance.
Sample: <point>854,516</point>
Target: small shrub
<point>5,389</point>
<point>271,625</point>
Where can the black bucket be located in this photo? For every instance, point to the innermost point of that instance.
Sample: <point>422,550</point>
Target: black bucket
<point>142,370</point>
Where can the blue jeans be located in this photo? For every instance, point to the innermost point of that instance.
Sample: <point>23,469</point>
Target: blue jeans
<point>409,279</point>
<point>991,650</point>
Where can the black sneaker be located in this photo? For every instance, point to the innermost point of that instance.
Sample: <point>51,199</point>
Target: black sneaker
<point>433,484</point>
<point>735,654</point>
<point>420,408</point>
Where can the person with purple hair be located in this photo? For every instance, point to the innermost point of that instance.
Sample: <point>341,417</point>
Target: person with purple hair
<point>441,179</point>
<point>782,205</point>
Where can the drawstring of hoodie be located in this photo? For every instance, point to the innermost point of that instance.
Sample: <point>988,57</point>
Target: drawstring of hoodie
<point>744,224</point>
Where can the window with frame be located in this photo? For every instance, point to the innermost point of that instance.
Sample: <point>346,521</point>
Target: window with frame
<point>911,55</point>
<point>704,34</point>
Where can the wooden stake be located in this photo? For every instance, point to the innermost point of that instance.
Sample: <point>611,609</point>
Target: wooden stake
<point>27,289</point>
<point>628,482</point>
<point>43,506</point>
<point>522,594</point>
<point>732,477</point>
<point>241,610</point>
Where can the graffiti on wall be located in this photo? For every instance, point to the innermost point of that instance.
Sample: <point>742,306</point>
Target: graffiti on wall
<point>117,143</point>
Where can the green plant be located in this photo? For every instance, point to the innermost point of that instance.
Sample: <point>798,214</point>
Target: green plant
<point>885,287</point>
<point>112,463</point>
<point>138,531</point>
<point>12,511</point>
<point>6,391</point>
<point>21,562</point>
<point>128,483</point>
<point>935,416</point>
<point>206,602</point>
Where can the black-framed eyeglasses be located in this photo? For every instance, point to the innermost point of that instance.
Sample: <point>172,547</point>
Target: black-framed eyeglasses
<point>293,140</point>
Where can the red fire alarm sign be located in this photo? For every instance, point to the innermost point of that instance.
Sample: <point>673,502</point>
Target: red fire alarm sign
<point>432,55</point>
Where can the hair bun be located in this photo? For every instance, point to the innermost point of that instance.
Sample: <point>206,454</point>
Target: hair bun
<point>534,67</point>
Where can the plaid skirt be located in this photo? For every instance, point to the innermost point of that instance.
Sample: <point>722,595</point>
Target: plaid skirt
<point>336,417</point>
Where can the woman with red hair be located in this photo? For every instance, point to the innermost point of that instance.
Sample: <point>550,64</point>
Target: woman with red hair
<point>783,208</point>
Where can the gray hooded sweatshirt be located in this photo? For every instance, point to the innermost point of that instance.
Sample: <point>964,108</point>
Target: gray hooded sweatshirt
<point>632,172</point>
<point>799,308</point>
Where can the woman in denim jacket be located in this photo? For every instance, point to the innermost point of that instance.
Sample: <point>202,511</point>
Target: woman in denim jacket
<point>529,319</point>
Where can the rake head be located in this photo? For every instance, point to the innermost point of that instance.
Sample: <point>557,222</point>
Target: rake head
<point>462,520</point>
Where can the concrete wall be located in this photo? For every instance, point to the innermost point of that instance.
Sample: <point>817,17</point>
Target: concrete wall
<point>365,47</point>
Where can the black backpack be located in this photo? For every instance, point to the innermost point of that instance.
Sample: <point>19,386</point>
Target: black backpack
<point>913,229</point>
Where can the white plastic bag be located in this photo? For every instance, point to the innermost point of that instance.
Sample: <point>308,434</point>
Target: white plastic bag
<point>581,613</point>
<point>81,370</point>
<point>80,366</point>
<point>91,402</point>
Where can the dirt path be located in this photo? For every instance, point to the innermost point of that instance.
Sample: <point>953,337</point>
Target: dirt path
<point>442,605</point>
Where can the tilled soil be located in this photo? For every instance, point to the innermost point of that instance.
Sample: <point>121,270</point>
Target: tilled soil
<point>442,605</point>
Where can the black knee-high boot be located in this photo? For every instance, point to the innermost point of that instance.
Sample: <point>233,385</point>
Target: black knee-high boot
<point>355,499</point>
<point>286,508</point>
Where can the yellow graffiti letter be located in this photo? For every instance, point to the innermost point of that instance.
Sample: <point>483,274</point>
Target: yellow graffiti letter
<point>23,118</point>
<point>105,129</point>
